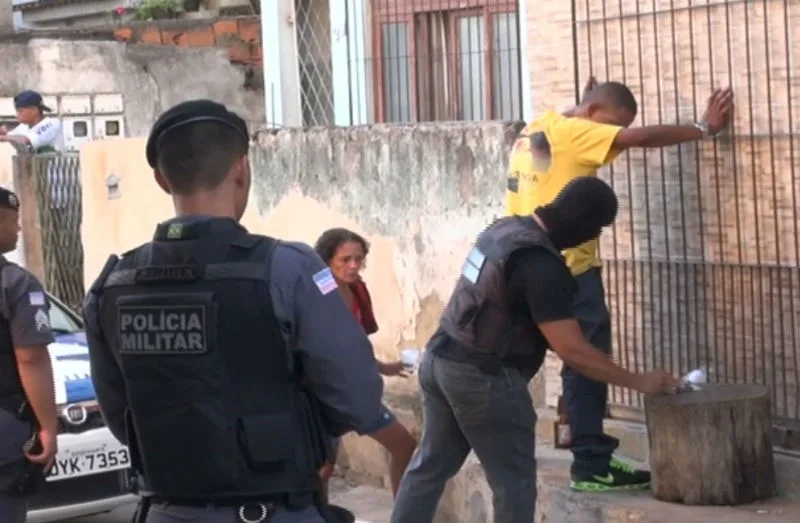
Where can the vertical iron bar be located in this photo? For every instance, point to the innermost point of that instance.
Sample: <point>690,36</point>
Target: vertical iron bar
<point>576,67</point>
<point>620,308</point>
<point>755,272</point>
<point>520,78</point>
<point>666,344</point>
<point>347,30</point>
<point>646,177</point>
<point>792,271</point>
<point>731,350</point>
<point>771,129</point>
<point>629,322</point>
<point>589,48</point>
<point>395,65</point>
<point>700,309</point>
<point>678,283</point>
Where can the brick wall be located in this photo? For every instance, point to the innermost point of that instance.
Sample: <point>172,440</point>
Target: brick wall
<point>702,263</point>
<point>241,36</point>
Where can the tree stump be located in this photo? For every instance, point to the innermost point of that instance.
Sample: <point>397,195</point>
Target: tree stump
<point>712,446</point>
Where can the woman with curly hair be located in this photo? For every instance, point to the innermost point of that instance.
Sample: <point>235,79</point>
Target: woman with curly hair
<point>345,252</point>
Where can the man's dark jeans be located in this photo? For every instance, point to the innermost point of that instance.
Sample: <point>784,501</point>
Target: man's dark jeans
<point>586,399</point>
<point>467,409</point>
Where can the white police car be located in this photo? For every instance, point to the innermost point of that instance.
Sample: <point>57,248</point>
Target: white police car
<point>92,472</point>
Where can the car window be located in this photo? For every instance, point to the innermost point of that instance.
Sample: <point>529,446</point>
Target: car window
<point>61,321</point>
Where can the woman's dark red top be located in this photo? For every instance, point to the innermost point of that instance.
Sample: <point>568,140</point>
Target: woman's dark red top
<point>362,307</point>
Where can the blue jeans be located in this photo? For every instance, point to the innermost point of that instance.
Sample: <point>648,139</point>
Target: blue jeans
<point>585,399</point>
<point>467,409</point>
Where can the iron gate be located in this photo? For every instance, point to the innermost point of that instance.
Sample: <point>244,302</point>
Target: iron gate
<point>703,265</point>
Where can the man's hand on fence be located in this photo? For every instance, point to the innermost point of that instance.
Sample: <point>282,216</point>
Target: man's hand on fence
<point>3,130</point>
<point>719,110</point>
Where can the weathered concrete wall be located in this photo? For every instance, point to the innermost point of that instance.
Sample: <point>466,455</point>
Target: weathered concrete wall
<point>711,226</point>
<point>420,194</point>
<point>150,78</point>
<point>6,17</point>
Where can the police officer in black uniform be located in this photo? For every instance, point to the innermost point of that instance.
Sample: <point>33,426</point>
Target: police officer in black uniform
<point>225,359</point>
<point>28,419</point>
<point>513,300</point>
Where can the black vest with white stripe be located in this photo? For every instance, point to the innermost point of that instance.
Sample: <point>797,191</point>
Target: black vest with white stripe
<point>478,314</point>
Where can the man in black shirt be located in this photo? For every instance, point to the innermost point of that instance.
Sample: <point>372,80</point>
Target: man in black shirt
<point>513,301</point>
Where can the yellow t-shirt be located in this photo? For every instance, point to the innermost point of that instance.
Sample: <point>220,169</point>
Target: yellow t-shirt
<point>539,169</point>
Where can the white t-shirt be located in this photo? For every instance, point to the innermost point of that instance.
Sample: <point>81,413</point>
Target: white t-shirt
<point>47,132</point>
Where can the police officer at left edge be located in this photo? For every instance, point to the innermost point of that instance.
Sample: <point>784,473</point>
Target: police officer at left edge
<point>28,419</point>
<point>225,360</point>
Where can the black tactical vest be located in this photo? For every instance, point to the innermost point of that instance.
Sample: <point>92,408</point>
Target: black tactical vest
<point>11,391</point>
<point>479,314</point>
<point>216,411</point>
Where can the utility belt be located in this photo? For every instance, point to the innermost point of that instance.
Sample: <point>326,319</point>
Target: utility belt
<point>250,511</point>
<point>292,501</point>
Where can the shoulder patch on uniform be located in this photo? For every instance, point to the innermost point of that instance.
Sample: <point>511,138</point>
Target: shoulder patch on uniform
<point>324,281</point>
<point>36,298</point>
<point>174,231</point>
<point>42,320</point>
<point>473,265</point>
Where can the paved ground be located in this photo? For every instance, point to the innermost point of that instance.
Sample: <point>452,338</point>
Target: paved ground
<point>556,504</point>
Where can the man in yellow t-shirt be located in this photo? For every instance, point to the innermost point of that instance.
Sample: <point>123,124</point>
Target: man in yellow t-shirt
<point>551,151</point>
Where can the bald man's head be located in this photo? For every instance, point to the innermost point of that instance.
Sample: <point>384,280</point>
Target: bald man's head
<point>610,103</point>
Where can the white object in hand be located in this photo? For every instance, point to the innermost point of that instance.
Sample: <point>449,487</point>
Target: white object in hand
<point>410,358</point>
<point>693,379</point>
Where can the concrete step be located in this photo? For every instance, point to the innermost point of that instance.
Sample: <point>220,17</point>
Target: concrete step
<point>557,503</point>
<point>468,499</point>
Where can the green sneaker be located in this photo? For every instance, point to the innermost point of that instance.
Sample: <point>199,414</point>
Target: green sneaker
<point>619,477</point>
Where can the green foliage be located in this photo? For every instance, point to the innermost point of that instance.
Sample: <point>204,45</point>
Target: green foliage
<point>158,9</point>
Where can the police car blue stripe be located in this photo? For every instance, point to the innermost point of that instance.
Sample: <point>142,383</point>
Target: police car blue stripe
<point>80,390</point>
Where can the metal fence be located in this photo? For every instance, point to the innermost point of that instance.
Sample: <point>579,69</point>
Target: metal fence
<point>703,265</point>
<point>58,193</point>
<point>414,60</point>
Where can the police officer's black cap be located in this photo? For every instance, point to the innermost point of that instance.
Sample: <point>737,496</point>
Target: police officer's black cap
<point>8,200</point>
<point>188,113</point>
